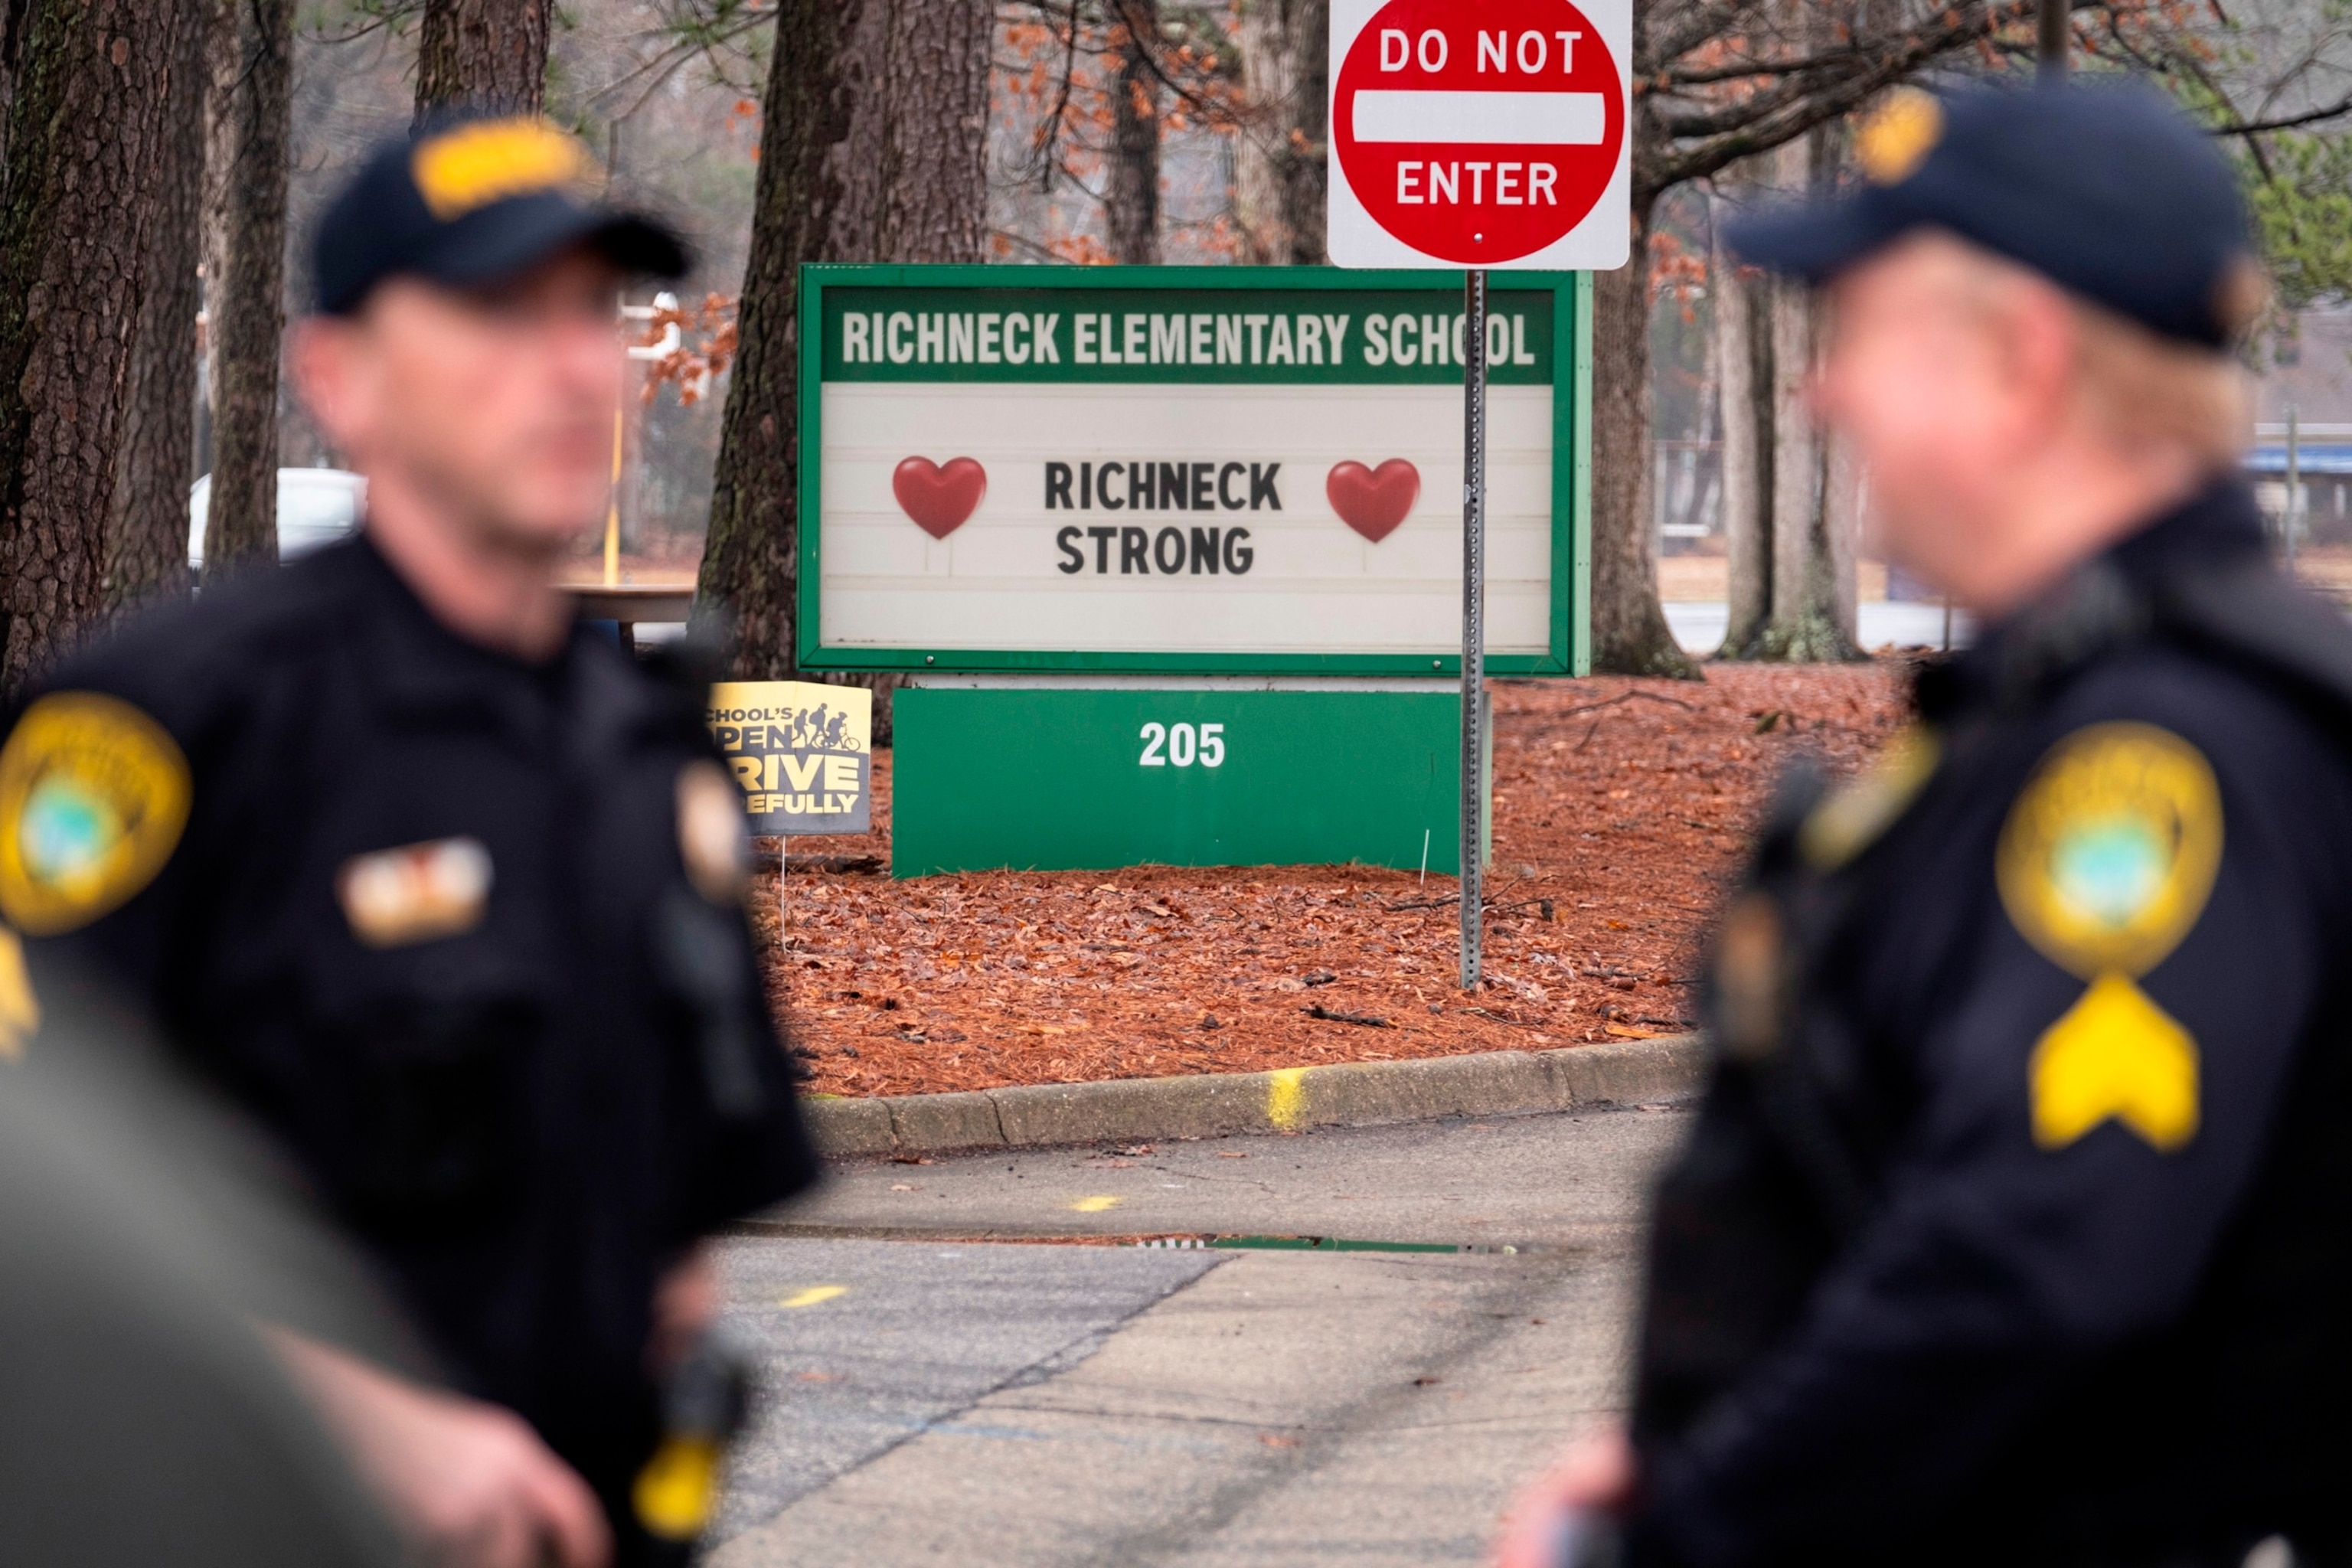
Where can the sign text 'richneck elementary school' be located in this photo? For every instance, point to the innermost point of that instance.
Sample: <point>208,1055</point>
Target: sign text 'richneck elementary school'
<point>1153,337</point>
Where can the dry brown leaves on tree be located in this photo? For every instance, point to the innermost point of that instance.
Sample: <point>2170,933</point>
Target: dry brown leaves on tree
<point>1621,808</point>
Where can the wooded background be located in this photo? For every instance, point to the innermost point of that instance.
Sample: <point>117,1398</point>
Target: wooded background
<point>161,163</point>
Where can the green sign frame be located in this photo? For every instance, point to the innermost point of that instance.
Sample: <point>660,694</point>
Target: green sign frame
<point>1570,617</point>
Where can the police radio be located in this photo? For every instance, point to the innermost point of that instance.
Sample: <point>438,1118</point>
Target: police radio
<point>704,1406</point>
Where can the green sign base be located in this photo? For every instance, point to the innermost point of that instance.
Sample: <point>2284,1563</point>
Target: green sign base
<point>1062,778</point>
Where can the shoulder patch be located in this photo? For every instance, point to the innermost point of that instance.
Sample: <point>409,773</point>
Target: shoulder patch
<point>1851,820</point>
<point>2109,854</point>
<point>20,1010</point>
<point>713,838</point>
<point>2115,1053</point>
<point>93,797</point>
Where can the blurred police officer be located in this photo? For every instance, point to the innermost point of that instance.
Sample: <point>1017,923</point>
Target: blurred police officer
<point>438,883</point>
<point>153,1250</point>
<point>2017,1223</point>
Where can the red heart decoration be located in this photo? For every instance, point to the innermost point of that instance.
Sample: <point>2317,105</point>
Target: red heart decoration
<point>939,500</point>
<point>1372,501</point>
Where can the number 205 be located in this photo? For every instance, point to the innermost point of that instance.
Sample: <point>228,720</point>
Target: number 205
<point>1183,745</point>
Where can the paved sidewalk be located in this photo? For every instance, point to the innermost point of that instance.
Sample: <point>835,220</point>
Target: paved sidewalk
<point>1371,1407</point>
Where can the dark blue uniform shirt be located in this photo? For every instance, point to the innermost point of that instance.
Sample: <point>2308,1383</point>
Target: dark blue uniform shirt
<point>2058,1006</point>
<point>432,916</point>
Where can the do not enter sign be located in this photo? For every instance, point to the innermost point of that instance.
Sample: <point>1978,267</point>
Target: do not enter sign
<point>1484,134</point>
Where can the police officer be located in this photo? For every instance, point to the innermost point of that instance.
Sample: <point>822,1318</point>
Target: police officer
<point>439,884</point>
<point>142,1419</point>
<point>2016,1226</point>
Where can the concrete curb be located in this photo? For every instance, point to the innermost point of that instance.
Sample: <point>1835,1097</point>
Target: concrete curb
<point>1217,1105</point>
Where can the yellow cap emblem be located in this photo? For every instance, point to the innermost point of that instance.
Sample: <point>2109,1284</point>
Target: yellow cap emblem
<point>1897,137</point>
<point>93,794</point>
<point>473,165</point>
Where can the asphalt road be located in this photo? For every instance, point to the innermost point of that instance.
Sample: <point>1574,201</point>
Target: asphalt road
<point>961,1377</point>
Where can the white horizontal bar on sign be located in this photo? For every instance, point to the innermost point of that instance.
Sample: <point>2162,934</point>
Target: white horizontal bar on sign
<point>1549,119</point>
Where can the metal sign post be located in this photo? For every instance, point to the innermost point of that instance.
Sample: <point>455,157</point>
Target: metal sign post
<point>2055,36</point>
<point>1473,615</point>
<point>1485,141</point>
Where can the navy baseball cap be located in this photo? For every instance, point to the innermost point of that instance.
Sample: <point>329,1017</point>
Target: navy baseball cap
<point>472,201</point>
<point>2106,190</point>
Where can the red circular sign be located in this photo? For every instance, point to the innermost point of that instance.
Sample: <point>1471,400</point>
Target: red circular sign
<point>1478,133</point>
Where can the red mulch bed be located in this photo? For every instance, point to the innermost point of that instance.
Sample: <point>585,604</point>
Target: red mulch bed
<point>1621,809</point>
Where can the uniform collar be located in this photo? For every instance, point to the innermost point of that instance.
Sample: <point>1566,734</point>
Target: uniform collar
<point>415,667</point>
<point>2101,601</point>
<point>2217,526</point>
<point>419,665</point>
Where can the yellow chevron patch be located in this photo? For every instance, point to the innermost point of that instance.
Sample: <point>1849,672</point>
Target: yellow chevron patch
<point>2115,1053</point>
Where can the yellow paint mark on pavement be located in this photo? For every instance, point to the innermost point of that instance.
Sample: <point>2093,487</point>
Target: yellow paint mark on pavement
<point>1097,1205</point>
<point>1286,1097</point>
<point>814,1296</point>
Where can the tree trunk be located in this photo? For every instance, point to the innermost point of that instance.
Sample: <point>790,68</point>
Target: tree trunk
<point>872,150</point>
<point>12,37</point>
<point>1812,553</point>
<point>1630,635</point>
<point>1744,362</point>
<point>147,534</point>
<point>482,54</point>
<point>1796,450</point>
<point>76,194</point>
<point>1131,199</point>
<point>248,128</point>
<point>1805,625</point>
<point>1278,171</point>
<point>1704,472</point>
<point>1842,514</point>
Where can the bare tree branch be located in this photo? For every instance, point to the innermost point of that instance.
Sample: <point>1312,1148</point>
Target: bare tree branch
<point>1705,142</point>
<point>1702,24</point>
<point>1748,69</point>
<point>1043,150</point>
<point>2287,123</point>
<point>1021,242</point>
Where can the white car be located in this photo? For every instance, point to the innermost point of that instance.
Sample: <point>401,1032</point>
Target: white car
<point>315,506</point>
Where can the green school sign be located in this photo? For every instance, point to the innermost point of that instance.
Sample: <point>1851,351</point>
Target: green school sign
<point>1173,555</point>
<point>1183,470</point>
